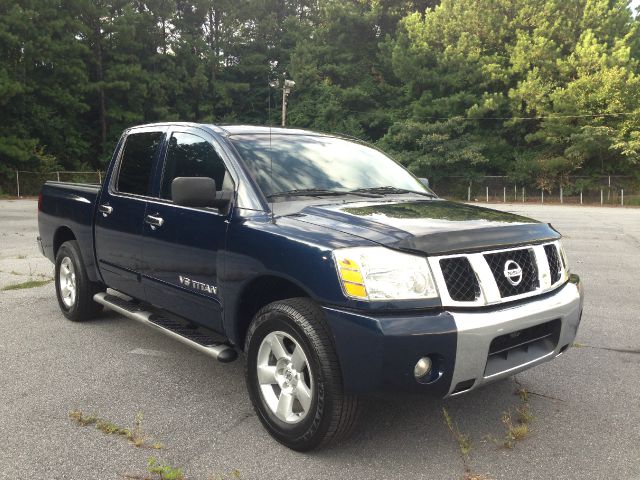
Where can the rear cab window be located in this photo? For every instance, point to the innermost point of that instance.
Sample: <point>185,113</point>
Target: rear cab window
<point>136,164</point>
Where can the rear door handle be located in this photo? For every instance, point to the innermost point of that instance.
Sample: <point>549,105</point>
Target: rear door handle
<point>154,221</point>
<point>105,209</point>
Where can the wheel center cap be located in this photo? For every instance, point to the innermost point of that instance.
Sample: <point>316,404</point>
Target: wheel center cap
<point>290,377</point>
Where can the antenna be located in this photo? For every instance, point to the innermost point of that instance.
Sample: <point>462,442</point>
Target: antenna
<point>272,84</point>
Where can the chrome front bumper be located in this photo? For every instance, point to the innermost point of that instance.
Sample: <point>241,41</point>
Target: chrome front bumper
<point>477,330</point>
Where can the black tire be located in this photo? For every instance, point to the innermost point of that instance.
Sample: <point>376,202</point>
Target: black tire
<point>332,413</point>
<point>83,307</point>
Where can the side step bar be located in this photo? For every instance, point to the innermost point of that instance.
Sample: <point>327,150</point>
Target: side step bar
<point>189,336</point>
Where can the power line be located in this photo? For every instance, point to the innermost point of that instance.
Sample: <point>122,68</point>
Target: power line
<point>538,117</point>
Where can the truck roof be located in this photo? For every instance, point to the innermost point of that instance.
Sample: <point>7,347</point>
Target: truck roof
<point>229,130</point>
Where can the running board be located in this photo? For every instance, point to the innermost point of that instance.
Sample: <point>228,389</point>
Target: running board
<point>189,336</point>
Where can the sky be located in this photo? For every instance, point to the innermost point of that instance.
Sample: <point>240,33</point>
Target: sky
<point>635,4</point>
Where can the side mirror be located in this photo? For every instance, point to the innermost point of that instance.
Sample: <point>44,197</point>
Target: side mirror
<point>196,192</point>
<point>425,182</point>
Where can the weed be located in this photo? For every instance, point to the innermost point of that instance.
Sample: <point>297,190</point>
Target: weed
<point>82,419</point>
<point>475,476</point>
<point>464,444</point>
<point>233,474</point>
<point>524,414</point>
<point>463,440</point>
<point>523,393</point>
<point>135,436</point>
<point>514,432</point>
<point>105,426</point>
<point>164,470</point>
<point>578,345</point>
<point>21,257</point>
<point>27,284</point>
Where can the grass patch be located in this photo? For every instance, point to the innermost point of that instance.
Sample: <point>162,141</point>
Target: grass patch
<point>462,439</point>
<point>517,429</point>
<point>164,471</point>
<point>464,445</point>
<point>158,471</point>
<point>475,476</point>
<point>523,393</point>
<point>110,428</point>
<point>233,475</point>
<point>514,431</point>
<point>27,284</point>
<point>524,414</point>
<point>82,419</point>
<point>516,424</point>
<point>135,435</point>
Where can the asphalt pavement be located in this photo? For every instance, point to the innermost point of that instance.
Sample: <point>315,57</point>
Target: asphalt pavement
<point>585,404</point>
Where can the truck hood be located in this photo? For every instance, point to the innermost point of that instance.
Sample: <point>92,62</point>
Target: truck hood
<point>430,226</point>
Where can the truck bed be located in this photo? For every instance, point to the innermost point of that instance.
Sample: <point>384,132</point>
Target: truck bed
<point>68,207</point>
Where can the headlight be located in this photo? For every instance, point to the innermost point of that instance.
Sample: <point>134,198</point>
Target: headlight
<point>378,273</point>
<point>564,260</point>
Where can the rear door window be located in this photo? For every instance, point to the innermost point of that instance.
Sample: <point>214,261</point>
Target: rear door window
<point>137,162</point>
<point>189,155</point>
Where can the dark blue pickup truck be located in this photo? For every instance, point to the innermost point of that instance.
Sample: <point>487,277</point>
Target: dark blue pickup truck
<point>333,269</point>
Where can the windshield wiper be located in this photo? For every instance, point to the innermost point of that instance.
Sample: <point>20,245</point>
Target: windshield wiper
<point>300,192</point>
<point>320,192</point>
<point>391,190</point>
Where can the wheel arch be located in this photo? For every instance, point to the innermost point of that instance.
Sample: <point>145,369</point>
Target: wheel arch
<point>61,235</point>
<point>257,293</point>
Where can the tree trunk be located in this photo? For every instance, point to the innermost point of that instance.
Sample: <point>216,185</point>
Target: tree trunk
<point>100,77</point>
<point>214,46</point>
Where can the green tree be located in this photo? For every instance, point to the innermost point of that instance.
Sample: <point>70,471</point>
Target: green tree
<point>42,81</point>
<point>531,88</point>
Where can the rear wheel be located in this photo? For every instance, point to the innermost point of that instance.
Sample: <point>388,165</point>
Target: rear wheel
<point>74,290</point>
<point>294,378</point>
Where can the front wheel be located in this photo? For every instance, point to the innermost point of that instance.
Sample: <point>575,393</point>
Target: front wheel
<point>294,378</point>
<point>73,288</point>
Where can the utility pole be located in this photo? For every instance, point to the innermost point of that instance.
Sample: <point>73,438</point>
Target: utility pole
<point>286,89</point>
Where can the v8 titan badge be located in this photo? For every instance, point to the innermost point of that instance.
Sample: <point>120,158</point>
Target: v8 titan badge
<point>204,287</point>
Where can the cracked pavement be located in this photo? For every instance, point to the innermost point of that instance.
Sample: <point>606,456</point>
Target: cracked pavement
<point>586,403</point>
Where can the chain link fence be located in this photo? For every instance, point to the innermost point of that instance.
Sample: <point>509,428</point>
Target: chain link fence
<point>577,190</point>
<point>28,184</point>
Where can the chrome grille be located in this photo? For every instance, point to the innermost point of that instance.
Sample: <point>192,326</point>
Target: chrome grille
<point>555,266</point>
<point>524,258</point>
<point>477,279</point>
<point>460,278</point>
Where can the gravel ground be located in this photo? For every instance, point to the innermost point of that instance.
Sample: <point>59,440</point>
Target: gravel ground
<point>586,404</point>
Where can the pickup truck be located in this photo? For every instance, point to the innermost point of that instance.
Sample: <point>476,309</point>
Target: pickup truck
<point>332,268</point>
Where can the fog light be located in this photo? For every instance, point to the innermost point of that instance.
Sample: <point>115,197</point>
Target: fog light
<point>422,368</point>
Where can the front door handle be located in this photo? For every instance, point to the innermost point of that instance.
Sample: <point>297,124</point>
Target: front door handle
<point>154,221</point>
<point>105,209</point>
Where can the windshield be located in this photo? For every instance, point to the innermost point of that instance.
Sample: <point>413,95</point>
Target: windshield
<point>314,163</point>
